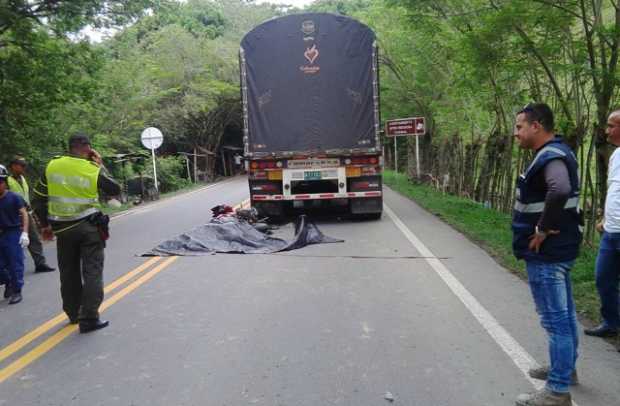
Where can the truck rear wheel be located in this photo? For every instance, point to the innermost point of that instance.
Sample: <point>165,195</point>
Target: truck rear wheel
<point>271,210</point>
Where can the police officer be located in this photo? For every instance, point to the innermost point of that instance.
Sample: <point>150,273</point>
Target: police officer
<point>67,202</point>
<point>13,239</point>
<point>547,235</point>
<point>18,184</point>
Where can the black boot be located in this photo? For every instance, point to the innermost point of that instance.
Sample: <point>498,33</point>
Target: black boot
<point>43,268</point>
<point>16,297</point>
<point>7,291</point>
<point>602,330</point>
<point>88,325</point>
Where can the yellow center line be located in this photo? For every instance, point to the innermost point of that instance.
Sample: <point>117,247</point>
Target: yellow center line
<point>66,331</point>
<point>135,284</point>
<point>52,341</point>
<point>48,325</point>
<point>130,275</point>
<point>242,205</point>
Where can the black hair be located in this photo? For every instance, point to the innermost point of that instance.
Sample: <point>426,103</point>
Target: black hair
<point>77,140</point>
<point>540,112</point>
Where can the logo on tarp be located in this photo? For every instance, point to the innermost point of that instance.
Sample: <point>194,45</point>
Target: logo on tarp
<point>311,55</point>
<point>307,27</point>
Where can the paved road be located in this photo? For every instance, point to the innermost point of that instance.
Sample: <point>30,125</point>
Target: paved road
<point>423,314</point>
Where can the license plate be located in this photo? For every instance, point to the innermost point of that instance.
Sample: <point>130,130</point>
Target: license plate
<point>312,175</point>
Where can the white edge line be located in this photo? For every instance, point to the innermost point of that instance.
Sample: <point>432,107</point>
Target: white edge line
<point>521,358</point>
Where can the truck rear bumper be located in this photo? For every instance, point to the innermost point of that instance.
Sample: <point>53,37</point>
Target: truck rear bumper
<point>318,196</point>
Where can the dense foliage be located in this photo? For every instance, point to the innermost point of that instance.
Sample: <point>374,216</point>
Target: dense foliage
<point>466,65</point>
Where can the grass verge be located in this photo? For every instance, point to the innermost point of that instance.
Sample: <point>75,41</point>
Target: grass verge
<point>490,229</point>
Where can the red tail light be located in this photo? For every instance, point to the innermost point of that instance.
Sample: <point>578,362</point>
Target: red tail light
<point>359,185</point>
<point>364,185</point>
<point>266,187</point>
<point>267,164</point>
<point>364,160</point>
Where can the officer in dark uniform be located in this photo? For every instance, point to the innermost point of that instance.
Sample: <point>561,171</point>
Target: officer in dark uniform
<point>18,184</point>
<point>66,201</point>
<point>547,234</point>
<point>13,239</point>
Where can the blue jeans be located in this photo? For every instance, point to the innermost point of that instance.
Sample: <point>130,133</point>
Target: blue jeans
<point>12,259</point>
<point>607,276</point>
<point>553,296</point>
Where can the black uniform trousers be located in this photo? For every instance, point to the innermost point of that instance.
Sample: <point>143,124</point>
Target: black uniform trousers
<point>80,261</point>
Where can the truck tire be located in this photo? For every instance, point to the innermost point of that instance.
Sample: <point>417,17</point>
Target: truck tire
<point>274,211</point>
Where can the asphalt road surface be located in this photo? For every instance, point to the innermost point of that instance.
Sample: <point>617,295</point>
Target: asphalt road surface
<point>405,305</point>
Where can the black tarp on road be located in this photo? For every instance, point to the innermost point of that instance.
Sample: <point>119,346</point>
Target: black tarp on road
<point>309,84</point>
<point>231,235</point>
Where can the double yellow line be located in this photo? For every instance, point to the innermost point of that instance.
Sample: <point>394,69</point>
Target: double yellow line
<point>41,349</point>
<point>67,330</point>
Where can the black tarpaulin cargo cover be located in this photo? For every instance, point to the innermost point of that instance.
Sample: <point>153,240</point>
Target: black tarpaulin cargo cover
<point>308,82</point>
<point>231,235</point>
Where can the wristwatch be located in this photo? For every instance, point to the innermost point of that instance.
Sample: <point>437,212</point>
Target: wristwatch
<point>540,232</point>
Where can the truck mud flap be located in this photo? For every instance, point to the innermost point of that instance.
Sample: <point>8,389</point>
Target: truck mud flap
<point>372,206</point>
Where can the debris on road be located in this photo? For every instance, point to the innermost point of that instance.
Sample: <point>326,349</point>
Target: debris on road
<point>389,397</point>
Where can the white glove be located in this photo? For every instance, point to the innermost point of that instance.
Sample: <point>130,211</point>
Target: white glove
<point>24,241</point>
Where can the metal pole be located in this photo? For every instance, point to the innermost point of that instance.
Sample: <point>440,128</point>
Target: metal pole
<point>396,154</point>
<point>224,166</point>
<point>408,144</point>
<point>417,156</point>
<point>195,166</point>
<point>155,170</point>
<point>189,174</point>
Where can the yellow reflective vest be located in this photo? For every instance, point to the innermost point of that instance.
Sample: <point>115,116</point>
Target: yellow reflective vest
<point>72,188</point>
<point>20,187</point>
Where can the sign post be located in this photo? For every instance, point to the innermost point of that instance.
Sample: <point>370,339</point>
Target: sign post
<point>403,127</point>
<point>396,154</point>
<point>420,129</point>
<point>152,139</point>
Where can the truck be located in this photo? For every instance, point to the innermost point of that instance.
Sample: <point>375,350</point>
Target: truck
<point>311,120</point>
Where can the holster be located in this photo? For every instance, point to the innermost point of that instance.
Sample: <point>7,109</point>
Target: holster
<point>102,222</point>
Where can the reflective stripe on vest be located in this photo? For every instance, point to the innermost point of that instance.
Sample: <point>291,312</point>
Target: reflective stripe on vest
<point>21,189</point>
<point>539,207</point>
<point>540,154</point>
<point>70,200</point>
<point>72,188</point>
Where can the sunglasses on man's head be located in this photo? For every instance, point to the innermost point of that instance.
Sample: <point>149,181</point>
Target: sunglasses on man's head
<point>528,108</point>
